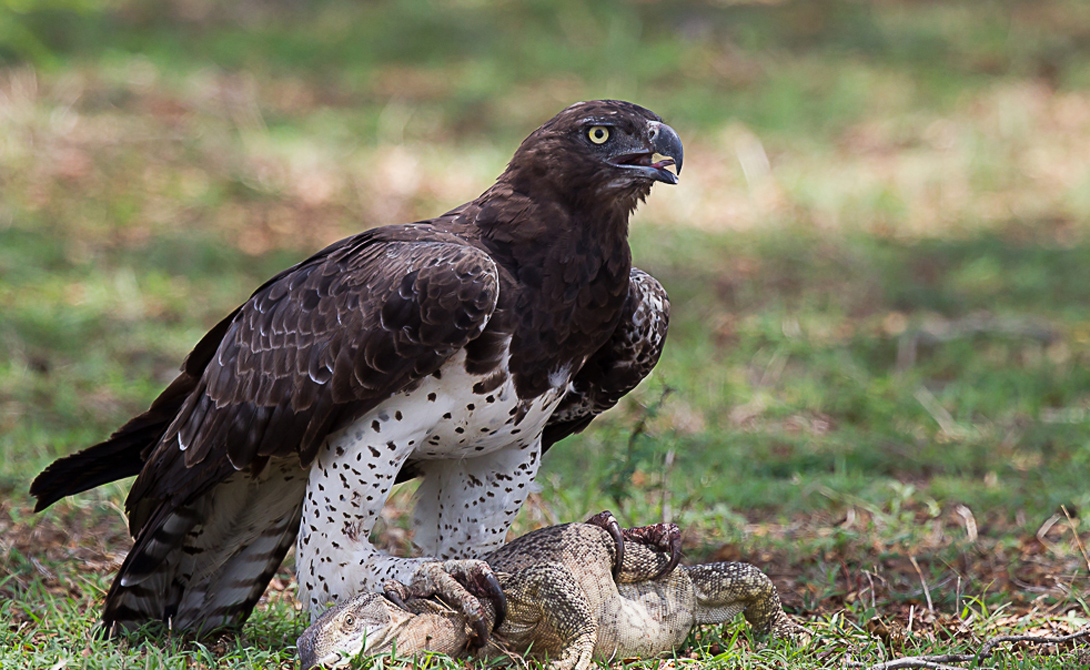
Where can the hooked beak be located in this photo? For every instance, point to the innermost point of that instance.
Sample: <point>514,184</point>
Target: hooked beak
<point>664,150</point>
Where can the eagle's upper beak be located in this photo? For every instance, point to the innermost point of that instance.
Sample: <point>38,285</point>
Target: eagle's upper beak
<point>663,149</point>
<point>665,141</point>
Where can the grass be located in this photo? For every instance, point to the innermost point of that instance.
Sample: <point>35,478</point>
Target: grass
<point>880,353</point>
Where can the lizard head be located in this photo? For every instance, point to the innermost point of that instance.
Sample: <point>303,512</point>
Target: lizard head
<point>367,623</point>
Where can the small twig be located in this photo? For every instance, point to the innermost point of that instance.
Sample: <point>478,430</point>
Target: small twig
<point>986,650</point>
<point>939,662</point>
<point>1075,532</point>
<point>667,465</point>
<point>930,662</point>
<point>650,412</point>
<point>957,598</point>
<point>870,582</point>
<point>926,591</point>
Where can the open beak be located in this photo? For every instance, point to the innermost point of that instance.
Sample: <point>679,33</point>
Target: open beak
<point>664,150</point>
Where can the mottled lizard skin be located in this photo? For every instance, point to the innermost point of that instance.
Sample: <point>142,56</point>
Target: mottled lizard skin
<point>564,606</point>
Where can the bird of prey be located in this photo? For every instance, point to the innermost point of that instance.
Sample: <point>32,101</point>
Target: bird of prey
<point>457,349</point>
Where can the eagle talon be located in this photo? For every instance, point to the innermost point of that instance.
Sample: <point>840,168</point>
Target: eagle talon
<point>396,592</point>
<point>666,537</point>
<point>480,634</point>
<point>492,590</point>
<point>606,520</point>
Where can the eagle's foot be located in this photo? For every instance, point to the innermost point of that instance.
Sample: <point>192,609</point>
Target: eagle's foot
<point>664,537</point>
<point>461,584</point>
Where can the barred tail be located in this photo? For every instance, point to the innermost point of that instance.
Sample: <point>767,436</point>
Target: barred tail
<point>205,565</point>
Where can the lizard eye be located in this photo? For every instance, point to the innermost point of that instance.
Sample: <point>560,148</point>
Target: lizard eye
<point>349,621</point>
<point>598,134</point>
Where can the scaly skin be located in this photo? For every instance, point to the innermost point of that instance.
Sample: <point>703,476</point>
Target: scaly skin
<point>563,604</point>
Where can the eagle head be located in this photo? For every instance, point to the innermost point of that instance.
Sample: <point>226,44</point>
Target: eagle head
<point>600,149</point>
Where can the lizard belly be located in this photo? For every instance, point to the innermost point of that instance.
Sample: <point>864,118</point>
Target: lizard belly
<point>646,618</point>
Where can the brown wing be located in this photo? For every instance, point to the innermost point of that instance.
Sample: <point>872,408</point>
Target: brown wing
<point>323,341</point>
<point>619,365</point>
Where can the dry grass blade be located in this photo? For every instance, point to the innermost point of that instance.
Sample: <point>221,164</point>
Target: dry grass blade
<point>1075,534</point>
<point>926,590</point>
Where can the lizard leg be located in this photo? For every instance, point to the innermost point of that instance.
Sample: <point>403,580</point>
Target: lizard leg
<point>725,589</point>
<point>562,607</point>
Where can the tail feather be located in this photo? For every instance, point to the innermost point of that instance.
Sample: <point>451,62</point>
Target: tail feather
<point>121,456</point>
<point>205,565</point>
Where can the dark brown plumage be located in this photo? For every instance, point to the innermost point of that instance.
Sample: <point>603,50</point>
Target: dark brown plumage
<point>532,282</point>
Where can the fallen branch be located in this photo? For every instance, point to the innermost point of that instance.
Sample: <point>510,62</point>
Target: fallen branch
<point>939,662</point>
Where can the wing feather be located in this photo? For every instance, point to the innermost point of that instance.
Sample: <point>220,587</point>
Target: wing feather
<point>319,343</point>
<point>619,365</point>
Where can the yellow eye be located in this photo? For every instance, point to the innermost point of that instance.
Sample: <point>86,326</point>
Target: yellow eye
<point>598,134</point>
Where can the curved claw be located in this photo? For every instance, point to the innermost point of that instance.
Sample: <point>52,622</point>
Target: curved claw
<point>395,598</point>
<point>664,536</point>
<point>482,583</point>
<point>396,592</point>
<point>675,558</point>
<point>493,592</point>
<point>609,522</point>
<point>480,634</point>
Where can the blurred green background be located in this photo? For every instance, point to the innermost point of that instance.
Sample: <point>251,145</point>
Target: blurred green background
<point>878,254</point>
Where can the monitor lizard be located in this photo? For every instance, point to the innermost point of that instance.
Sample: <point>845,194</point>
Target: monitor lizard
<point>575,592</point>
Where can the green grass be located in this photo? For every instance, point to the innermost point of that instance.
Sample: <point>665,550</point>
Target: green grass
<point>880,346</point>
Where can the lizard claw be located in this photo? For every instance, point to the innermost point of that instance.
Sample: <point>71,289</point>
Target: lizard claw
<point>609,522</point>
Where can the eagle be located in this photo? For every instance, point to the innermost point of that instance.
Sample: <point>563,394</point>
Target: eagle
<point>457,350</point>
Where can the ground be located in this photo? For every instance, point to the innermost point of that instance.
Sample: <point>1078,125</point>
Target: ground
<point>877,382</point>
